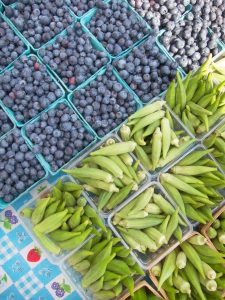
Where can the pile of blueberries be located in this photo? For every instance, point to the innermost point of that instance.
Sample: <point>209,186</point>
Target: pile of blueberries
<point>19,168</point>
<point>58,135</point>
<point>213,14</point>
<point>161,14</point>
<point>190,42</point>
<point>5,123</point>
<point>146,70</point>
<point>41,20</point>
<point>104,102</point>
<point>80,7</point>
<point>10,45</point>
<point>27,88</point>
<point>116,26</point>
<point>73,57</point>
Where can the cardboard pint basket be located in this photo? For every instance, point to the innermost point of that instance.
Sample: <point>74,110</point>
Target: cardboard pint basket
<point>139,285</point>
<point>206,227</point>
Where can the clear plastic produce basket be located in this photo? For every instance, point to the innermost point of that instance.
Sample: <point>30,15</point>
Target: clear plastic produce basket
<point>87,17</point>
<point>93,198</point>
<point>120,80</point>
<point>27,222</point>
<point>204,142</point>
<point>41,157</point>
<point>149,259</point>
<point>221,191</point>
<point>178,126</point>
<point>95,44</point>
<point>10,111</point>
<point>76,277</point>
<point>4,204</point>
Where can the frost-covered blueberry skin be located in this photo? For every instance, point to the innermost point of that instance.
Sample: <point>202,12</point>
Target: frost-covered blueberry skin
<point>104,102</point>
<point>58,135</point>
<point>213,14</point>
<point>73,57</point>
<point>146,70</point>
<point>41,20</point>
<point>116,26</point>
<point>11,47</point>
<point>190,42</point>
<point>27,88</point>
<point>5,123</point>
<point>160,14</point>
<point>19,168</point>
<point>80,7</point>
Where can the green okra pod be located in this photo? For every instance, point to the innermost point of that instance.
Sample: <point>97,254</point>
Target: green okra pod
<point>39,211</point>
<point>115,149</point>
<point>171,95</point>
<point>156,147</point>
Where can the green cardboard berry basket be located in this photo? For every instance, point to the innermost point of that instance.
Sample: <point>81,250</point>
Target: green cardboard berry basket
<point>10,112</point>
<point>4,204</point>
<point>26,41</point>
<point>87,17</point>
<point>41,157</point>
<point>119,79</point>
<point>162,52</point>
<point>26,47</point>
<point>96,46</point>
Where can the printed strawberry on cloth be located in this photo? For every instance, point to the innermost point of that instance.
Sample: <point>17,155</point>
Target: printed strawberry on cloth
<point>25,272</point>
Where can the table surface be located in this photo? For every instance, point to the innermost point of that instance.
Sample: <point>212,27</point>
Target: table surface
<point>25,271</point>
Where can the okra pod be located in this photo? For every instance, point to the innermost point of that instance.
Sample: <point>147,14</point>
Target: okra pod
<point>115,149</point>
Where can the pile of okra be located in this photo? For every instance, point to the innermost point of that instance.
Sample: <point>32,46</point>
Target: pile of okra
<point>178,142</point>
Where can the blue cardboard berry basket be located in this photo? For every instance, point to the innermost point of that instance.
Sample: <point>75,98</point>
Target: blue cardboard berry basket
<point>25,40</point>
<point>119,79</point>
<point>4,204</point>
<point>2,107</point>
<point>87,17</point>
<point>26,47</point>
<point>126,84</point>
<point>10,112</point>
<point>40,156</point>
<point>96,46</point>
